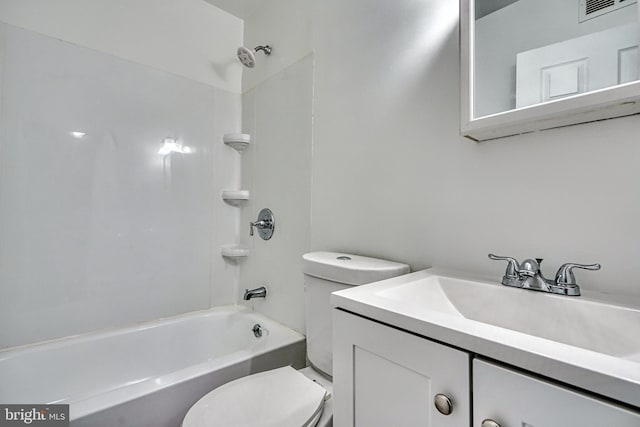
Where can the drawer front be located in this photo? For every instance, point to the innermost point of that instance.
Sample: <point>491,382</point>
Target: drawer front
<point>513,399</point>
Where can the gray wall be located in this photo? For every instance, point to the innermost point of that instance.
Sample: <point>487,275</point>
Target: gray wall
<point>392,178</point>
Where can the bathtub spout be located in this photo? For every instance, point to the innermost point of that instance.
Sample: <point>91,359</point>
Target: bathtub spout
<point>260,292</point>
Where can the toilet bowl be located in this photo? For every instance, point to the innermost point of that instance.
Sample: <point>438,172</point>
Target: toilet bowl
<point>285,397</point>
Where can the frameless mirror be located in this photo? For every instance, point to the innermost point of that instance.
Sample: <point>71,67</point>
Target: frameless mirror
<point>534,64</point>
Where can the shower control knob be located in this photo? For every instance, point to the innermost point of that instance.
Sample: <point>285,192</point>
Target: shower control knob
<point>443,404</point>
<point>265,224</point>
<point>489,423</point>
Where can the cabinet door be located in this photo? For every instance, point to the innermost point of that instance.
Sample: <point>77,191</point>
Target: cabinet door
<point>513,399</point>
<point>385,377</point>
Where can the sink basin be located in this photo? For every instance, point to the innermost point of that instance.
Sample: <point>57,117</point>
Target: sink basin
<point>596,326</point>
<point>586,341</point>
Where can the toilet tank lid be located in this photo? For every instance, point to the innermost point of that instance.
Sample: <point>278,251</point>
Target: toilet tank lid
<point>350,269</point>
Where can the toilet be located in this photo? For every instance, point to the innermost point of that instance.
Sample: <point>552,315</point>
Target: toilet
<point>286,397</point>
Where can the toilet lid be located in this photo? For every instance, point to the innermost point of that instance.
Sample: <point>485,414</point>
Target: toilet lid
<point>279,398</point>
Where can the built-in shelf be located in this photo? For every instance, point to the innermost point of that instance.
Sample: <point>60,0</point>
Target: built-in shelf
<point>237,141</point>
<point>235,197</point>
<point>234,251</point>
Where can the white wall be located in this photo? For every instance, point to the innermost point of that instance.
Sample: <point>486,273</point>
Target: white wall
<point>286,26</point>
<point>392,178</point>
<point>190,38</point>
<point>103,232</point>
<point>277,111</point>
<point>277,171</point>
<point>521,26</point>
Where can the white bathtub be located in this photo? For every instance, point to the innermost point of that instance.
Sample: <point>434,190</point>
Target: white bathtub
<point>149,374</point>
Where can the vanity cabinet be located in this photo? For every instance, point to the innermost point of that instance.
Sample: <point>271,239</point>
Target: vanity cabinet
<point>511,398</point>
<point>384,376</point>
<point>393,377</point>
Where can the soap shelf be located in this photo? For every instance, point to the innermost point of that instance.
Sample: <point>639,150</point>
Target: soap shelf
<point>235,197</point>
<point>234,251</point>
<point>237,141</point>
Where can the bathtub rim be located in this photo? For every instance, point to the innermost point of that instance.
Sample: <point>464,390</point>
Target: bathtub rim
<point>137,326</point>
<point>104,399</point>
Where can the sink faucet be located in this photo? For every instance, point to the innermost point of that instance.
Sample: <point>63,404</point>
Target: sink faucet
<point>260,292</point>
<point>529,276</point>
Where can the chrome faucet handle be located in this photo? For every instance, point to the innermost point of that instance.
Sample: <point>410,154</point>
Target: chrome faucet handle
<point>511,273</point>
<point>565,277</point>
<point>265,224</point>
<point>258,224</point>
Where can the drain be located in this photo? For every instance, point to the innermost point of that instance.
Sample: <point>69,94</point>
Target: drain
<point>257,330</point>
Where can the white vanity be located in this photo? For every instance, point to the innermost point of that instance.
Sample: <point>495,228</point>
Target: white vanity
<point>438,349</point>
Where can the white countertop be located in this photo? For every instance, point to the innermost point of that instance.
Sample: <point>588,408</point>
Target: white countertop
<point>616,377</point>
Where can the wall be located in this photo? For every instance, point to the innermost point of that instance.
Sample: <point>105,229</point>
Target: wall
<point>189,37</point>
<point>286,26</point>
<point>277,111</point>
<point>521,26</point>
<point>392,178</point>
<point>103,231</point>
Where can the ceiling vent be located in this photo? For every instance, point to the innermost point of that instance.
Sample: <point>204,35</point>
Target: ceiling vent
<point>592,8</point>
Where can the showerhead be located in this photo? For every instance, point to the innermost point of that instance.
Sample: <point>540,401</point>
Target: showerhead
<point>248,57</point>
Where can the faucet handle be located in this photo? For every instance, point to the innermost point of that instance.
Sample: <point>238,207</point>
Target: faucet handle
<point>512,267</point>
<point>258,224</point>
<point>565,276</point>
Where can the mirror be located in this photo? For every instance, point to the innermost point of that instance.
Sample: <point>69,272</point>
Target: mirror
<point>535,64</point>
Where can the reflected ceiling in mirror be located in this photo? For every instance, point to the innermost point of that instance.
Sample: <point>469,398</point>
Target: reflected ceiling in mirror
<point>528,52</point>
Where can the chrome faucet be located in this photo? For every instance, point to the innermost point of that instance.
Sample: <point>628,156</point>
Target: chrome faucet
<point>265,224</point>
<point>260,292</point>
<point>529,276</point>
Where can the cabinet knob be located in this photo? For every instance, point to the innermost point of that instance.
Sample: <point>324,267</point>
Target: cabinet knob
<point>443,404</point>
<point>489,423</point>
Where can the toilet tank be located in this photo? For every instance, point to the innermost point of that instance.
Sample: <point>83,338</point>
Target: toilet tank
<point>327,272</point>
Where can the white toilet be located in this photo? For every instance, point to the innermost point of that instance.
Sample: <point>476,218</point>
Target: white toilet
<point>285,397</point>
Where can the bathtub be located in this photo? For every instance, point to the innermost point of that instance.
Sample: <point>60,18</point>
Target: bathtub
<point>149,374</point>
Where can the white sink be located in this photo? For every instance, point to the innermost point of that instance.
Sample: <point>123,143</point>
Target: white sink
<point>597,326</point>
<point>584,341</point>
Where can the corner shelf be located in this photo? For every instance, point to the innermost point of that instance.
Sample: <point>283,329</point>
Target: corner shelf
<point>237,141</point>
<point>234,252</point>
<point>235,197</point>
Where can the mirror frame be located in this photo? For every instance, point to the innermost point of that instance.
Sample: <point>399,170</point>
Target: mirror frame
<point>607,103</point>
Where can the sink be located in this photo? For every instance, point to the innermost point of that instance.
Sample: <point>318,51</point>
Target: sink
<point>592,325</point>
<point>590,341</point>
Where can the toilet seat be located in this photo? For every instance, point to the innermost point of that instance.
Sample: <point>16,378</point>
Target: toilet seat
<point>281,397</point>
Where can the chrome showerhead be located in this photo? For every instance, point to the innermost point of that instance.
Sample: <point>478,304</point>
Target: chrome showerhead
<point>248,57</point>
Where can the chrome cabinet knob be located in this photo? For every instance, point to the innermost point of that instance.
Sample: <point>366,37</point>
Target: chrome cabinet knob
<point>489,423</point>
<point>443,404</point>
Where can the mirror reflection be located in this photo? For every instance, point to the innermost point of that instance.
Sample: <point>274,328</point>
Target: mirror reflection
<point>534,51</point>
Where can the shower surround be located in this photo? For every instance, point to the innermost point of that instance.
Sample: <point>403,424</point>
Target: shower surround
<point>99,229</point>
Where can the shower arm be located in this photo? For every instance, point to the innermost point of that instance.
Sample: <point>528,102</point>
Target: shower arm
<point>266,49</point>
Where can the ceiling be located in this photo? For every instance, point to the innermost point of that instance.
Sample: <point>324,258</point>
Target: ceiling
<point>485,7</point>
<point>243,8</point>
<point>240,8</point>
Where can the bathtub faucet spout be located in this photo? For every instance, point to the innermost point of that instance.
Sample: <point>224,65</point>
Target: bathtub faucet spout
<point>260,292</point>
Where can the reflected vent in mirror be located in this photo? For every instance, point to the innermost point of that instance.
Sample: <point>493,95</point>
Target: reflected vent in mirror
<point>593,8</point>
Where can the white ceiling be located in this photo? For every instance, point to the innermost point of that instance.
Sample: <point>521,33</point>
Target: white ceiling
<point>240,8</point>
<point>243,8</point>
